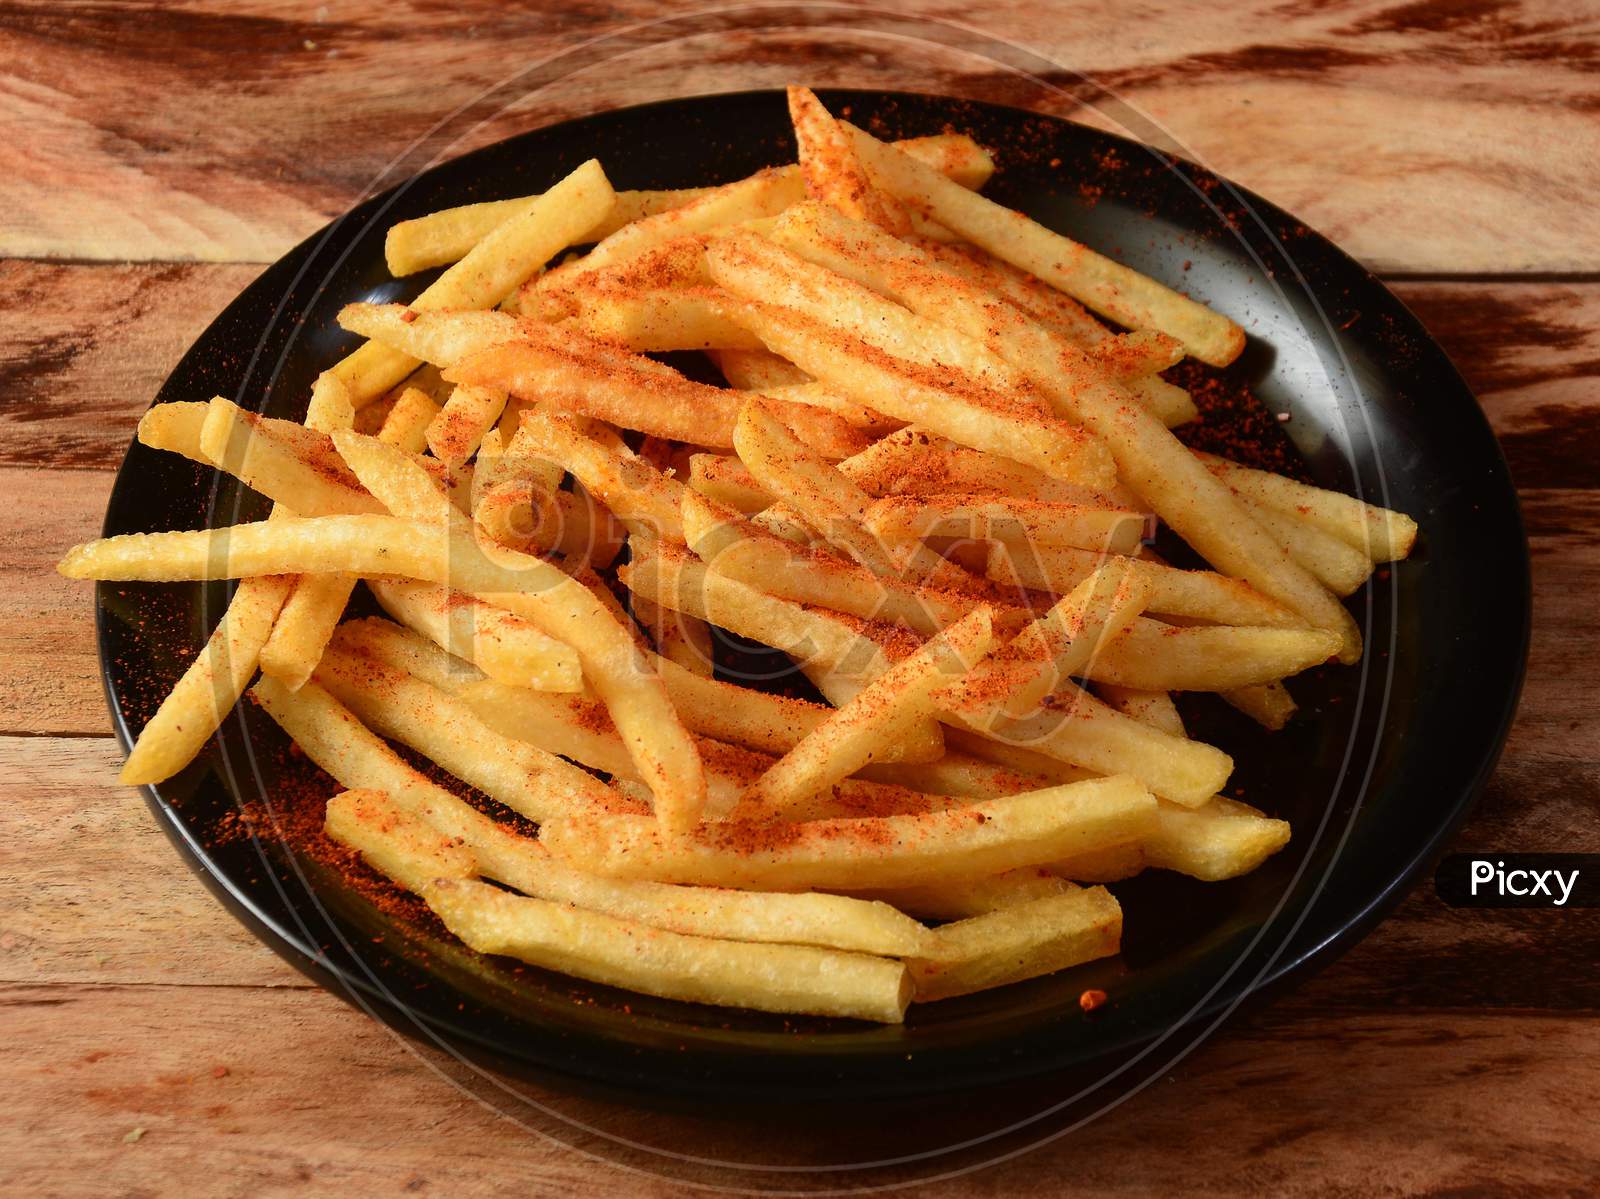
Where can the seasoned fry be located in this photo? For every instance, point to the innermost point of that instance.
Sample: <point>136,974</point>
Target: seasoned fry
<point>832,172</point>
<point>176,427</point>
<point>503,645</point>
<point>957,900</point>
<point>395,843</point>
<point>1154,708</point>
<point>467,415</point>
<point>862,730</point>
<point>490,272</point>
<point>203,697</point>
<point>1001,518</point>
<point>566,610</point>
<point>872,852</point>
<point>1268,704</point>
<point>1192,594</point>
<point>773,978</point>
<point>1108,287</point>
<point>1015,943</point>
<point>406,425</point>
<point>1381,534</point>
<point>656,319</point>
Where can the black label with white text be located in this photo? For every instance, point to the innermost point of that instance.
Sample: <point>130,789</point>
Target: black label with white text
<point>1519,880</point>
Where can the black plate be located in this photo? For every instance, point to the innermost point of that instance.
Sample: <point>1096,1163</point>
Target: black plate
<point>1381,766</point>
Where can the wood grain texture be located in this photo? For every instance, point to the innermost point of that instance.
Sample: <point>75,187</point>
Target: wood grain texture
<point>154,155</point>
<point>1462,135</point>
<point>1385,1107</point>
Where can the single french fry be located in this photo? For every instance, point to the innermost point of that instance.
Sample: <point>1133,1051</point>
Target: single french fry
<point>1016,943</point>
<point>1192,594</point>
<point>831,170</point>
<point>440,338</point>
<point>1018,759</point>
<point>601,948</point>
<point>757,370</point>
<point>872,852</point>
<point>293,465</point>
<point>176,427</point>
<point>523,777</point>
<point>470,412</point>
<point>1381,534</point>
<point>534,588</point>
<point>1268,704</point>
<point>1002,518</point>
<point>203,697</point>
<point>1218,840</point>
<point>578,373</point>
<point>394,842</point>
<point>655,319</point>
<point>1081,731</point>
<point>863,730</point>
<point>1154,708</point>
<point>1151,656</point>
<point>910,462</point>
<point>448,235</point>
<point>1338,565</point>
<point>406,425</point>
<point>1111,289</point>
<point>959,899</point>
<point>490,272</point>
<point>1109,865</point>
<point>957,775</point>
<point>505,646</point>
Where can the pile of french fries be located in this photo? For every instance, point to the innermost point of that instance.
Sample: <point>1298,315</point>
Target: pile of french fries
<point>931,482</point>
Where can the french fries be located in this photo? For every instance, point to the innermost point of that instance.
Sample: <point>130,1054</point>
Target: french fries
<point>965,842</point>
<point>490,271</point>
<point>586,944</point>
<point>1014,943</point>
<point>206,693</point>
<point>860,731</point>
<point>1108,287</point>
<point>505,646</point>
<point>934,486</point>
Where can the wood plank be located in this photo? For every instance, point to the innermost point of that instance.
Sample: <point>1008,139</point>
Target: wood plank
<point>83,351</point>
<point>1460,140</point>
<point>49,667</point>
<point>96,893</point>
<point>1394,1103</point>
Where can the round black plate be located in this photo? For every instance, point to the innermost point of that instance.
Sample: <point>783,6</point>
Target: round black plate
<point>1380,767</point>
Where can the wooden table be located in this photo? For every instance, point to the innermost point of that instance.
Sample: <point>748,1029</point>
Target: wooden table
<point>152,159</point>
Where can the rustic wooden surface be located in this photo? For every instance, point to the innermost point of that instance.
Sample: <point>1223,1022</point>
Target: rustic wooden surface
<point>152,156</point>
